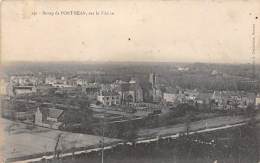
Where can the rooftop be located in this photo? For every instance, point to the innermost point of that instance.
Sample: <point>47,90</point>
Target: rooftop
<point>109,93</point>
<point>55,113</point>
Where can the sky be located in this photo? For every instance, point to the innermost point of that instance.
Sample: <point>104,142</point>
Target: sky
<point>167,31</point>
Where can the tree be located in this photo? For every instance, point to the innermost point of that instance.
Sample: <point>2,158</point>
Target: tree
<point>71,117</point>
<point>183,109</point>
<point>86,119</point>
<point>82,116</point>
<point>130,132</point>
<point>250,111</point>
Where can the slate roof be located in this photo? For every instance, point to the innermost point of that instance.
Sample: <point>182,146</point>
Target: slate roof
<point>171,90</point>
<point>23,87</point>
<point>109,93</point>
<point>51,112</point>
<point>55,113</point>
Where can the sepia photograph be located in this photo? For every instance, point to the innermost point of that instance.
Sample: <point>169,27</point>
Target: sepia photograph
<point>148,81</point>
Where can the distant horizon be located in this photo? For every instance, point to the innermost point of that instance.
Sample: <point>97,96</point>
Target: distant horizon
<point>93,62</point>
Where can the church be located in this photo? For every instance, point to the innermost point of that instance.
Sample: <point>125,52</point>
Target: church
<point>130,92</point>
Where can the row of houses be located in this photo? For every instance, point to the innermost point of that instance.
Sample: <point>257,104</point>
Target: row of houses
<point>24,80</point>
<point>11,89</point>
<point>67,82</point>
<point>217,99</point>
<point>178,95</point>
<point>231,100</point>
<point>123,92</point>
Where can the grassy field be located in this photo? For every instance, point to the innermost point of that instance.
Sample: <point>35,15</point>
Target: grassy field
<point>19,140</point>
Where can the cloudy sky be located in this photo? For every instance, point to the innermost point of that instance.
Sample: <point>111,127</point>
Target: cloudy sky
<point>174,30</point>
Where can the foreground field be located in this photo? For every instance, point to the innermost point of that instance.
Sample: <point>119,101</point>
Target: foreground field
<point>19,140</point>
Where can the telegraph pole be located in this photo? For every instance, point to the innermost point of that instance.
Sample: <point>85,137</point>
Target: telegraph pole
<point>103,138</point>
<point>102,154</point>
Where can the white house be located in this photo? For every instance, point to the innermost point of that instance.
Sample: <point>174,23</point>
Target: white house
<point>169,97</point>
<point>50,80</point>
<point>109,98</point>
